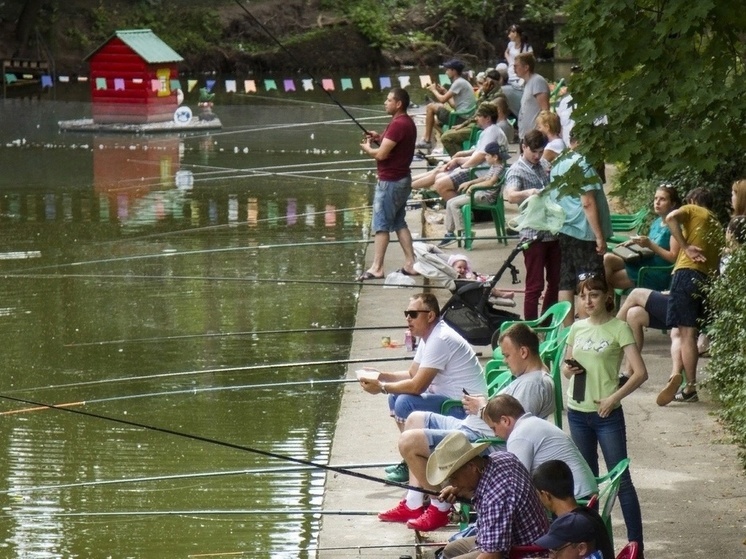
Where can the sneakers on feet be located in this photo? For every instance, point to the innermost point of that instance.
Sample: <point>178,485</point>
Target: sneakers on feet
<point>422,144</point>
<point>682,396</point>
<point>431,519</point>
<point>400,474</point>
<point>401,513</point>
<point>389,469</point>
<point>448,239</point>
<point>667,395</point>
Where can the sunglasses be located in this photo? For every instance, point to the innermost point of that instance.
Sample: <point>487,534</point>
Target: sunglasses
<point>413,314</point>
<point>589,275</point>
<point>553,552</point>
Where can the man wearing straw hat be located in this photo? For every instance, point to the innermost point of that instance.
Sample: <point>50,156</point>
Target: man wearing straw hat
<point>500,487</point>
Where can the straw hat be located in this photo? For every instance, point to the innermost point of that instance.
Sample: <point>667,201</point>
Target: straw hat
<point>453,452</point>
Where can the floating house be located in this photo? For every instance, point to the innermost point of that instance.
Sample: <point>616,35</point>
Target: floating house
<point>133,78</point>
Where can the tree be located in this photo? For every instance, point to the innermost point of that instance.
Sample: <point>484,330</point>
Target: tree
<point>668,74</point>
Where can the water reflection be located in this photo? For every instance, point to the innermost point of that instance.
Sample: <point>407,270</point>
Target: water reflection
<point>132,238</point>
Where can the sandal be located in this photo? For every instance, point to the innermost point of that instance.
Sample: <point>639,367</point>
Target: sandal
<point>668,394</point>
<point>682,396</point>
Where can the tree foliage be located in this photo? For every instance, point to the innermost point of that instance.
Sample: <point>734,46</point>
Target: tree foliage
<point>668,74</point>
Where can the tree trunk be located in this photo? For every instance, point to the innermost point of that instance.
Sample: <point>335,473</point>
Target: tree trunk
<point>26,24</point>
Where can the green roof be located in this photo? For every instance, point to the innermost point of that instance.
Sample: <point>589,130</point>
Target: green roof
<point>146,44</point>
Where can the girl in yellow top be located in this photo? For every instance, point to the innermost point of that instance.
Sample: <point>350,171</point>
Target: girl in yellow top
<point>595,414</point>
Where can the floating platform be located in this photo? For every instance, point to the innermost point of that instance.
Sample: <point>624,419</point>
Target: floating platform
<point>87,125</point>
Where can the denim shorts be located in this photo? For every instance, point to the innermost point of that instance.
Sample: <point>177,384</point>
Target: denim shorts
<point>578,257</point>
<point>390,204</point>
<point>686,303</point>
<point>438,427</point>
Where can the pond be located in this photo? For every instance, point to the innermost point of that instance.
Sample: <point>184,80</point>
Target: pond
<point>140,275</point>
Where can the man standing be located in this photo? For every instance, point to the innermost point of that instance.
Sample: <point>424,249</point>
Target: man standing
<point>510,512</point>
<point>393,157</point>
<point>527,176</point>
<point>587,225</point>
<point>535,96</point>
<point>460,95</point>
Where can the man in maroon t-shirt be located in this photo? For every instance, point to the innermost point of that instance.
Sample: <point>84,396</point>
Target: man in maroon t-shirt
<point>393,157</point>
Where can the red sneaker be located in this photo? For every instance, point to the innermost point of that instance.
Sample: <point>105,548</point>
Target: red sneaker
<point>431,519</point>
<point>401,513</point>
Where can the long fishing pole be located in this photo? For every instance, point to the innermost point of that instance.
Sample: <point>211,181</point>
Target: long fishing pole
<point>159,339</point>
<point>324,548</point>
<point>177,477</point>
<point>292,57</point>
<point>190,391</point>
<point>216,442</point>
<point>211,372</point>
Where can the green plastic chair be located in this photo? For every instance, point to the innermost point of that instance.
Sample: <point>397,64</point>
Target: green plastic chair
<point>496,209</point>
<point>554,316</point>
<point>623,223</point>
<point>455,115</point>
<point>554,357</point>
<point>554,95</point>
<point>642,281</point>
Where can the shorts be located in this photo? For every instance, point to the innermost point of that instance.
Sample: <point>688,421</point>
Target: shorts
<point>578,257</point>
<point>657,308</point>
<point>686,303</point>
<point>458,177</point>
<point>444,114</point>
<point>438,427</point>
<point>390,204</point>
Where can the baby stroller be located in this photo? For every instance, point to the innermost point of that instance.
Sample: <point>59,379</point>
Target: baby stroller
<point>469,310</point>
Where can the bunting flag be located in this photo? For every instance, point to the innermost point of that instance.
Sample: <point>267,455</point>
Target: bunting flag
<point>210,84</point>
<point>64,79</point>
<point>100,84</point>
<point>175,84</point>
<point>138,81</point>
<point>444,80</point>
<point>46,81</point>
<point>308,85</point>
<point>155,84</point>
<point>249,86</point>
<point>366,83</point>
<point>230,86</point>
<point>118,84</point>
<point>346,84</point>
<point>425,81</point>
<point>82,78</point>
<point>327,84</point>
<point>191,84</point>
<point>403,81</point>
<point>289,85</point>
<point>385,82</point>
<point>28,76</point>
<point>269,85</point>
<point>10,78</point>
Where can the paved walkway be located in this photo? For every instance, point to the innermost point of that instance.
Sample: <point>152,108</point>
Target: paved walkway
<point>690,482</point>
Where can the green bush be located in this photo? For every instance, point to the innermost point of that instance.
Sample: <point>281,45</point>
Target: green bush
<point>727,331</point>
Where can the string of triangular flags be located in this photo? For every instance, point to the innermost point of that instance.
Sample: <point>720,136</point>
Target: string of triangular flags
<point>286,85</point>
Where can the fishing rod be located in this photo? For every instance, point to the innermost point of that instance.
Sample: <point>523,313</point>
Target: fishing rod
<point>211,372</point>
<point>158,339</point>
<point>194,475</point>
<point>209,512</point>
<point>216,442</point>
<point>190,391</point>
<point>290,54</point>
<point>325,548</point>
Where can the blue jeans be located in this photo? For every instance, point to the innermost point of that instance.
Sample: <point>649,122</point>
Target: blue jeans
<point>588,431</point>
<point>401,405</point>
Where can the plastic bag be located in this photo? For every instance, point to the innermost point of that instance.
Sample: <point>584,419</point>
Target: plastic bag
<point>539,212</point>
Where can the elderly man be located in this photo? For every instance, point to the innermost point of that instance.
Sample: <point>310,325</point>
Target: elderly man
<point>460,96</point>
<point>393,152</point>
<point>510,512</point>
<point>535,441</point>
<point>445,180</point>
<point>423,431</point>
<point>571,536</point>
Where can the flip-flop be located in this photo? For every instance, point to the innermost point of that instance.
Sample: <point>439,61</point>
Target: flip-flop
<point>403,271</point>
<point>668,393</point>
<point>368,276</point>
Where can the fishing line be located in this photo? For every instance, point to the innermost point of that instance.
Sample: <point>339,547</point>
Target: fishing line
<point>193,475</point>
<point>216,442</point>
<point>218,512</point>
<point>290,54</point>
<point>286,99</point>
<point>325,548</point>
<point>211,371</point>
<point>158,339</point>
<point>190,391</point>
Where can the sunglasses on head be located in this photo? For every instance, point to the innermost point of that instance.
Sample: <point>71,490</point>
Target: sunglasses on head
<point>589,275</point>
<point>412,314</point>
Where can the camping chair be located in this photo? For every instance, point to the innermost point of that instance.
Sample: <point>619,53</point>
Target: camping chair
<point>629,551</point>
<point>496,209</point>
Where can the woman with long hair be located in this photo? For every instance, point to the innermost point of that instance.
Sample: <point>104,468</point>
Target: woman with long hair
<point>517,44</point>
<point>594,405</point>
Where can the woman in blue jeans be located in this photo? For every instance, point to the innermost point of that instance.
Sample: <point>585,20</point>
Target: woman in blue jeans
<point>594,405</point>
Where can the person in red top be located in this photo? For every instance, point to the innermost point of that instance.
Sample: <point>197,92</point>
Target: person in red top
<point>393,155</point>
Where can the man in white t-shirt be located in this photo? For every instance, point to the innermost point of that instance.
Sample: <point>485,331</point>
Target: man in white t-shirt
<point>535,441</point>
<point>445,179</point>
<point>535,96</point>
<point>460,96</point>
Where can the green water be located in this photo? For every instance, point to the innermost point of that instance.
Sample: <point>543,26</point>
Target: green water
<point>128,280</point>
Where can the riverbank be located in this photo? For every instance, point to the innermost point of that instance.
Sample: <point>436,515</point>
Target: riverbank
<point>691,487</point>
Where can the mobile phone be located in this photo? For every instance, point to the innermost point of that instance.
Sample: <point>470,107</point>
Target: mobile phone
<point>465,392</point>
<point>573,363</point>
